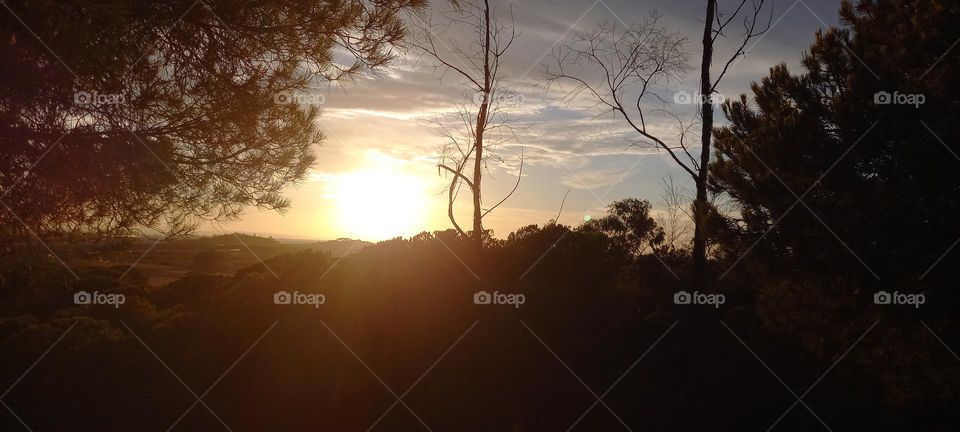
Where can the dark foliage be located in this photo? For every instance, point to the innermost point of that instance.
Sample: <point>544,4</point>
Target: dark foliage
<point>597,306</point>
<point>878,190</point>
<point>120,115</point>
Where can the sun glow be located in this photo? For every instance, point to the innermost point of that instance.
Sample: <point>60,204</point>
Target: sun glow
<point>377,204</point>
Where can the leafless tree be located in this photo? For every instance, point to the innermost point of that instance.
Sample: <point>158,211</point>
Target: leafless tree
<point>482,122</point>
<point>673,216</point>
<point>713,28</point>
<point>620,70</point>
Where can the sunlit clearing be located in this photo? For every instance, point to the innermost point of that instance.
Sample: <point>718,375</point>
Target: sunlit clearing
<point>380,204</point>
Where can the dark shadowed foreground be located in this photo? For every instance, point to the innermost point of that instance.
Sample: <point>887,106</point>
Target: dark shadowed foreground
<point>597,342</point>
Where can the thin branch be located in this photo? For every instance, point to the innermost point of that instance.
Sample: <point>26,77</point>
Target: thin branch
<point>515,185</point>
<point>749,34</point>
<point>564,200</point>
<point>458,173</point>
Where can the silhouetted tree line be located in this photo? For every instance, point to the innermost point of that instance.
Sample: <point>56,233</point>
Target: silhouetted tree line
<point>401,304</point>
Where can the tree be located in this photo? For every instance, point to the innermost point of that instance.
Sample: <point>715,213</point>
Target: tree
<point>629,225</point>
<point>673,215</point>
<point>481,123</point>
<point>846,189</point>
<point>874,173</point>
<point>714,25</point>
<point>633,62</point>
<point>118,116</point>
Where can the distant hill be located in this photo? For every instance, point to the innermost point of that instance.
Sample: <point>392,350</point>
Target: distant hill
<point>165,261</point>
<point>338,247</point>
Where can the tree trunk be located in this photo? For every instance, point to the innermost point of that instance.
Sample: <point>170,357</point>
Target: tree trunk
<point>700,204</point>
<point>477,174</point>
<point>480,128</point>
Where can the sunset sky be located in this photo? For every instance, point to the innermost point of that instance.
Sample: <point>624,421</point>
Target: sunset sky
<point>376,176</point>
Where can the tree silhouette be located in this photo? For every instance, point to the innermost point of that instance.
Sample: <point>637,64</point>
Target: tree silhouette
<point>632,63</point>
<point>874,172</point>
<point>116,116</point>
<point>713,28</point>
<point>843,193</point>
<point>629,225</point>
<point>481,123</point>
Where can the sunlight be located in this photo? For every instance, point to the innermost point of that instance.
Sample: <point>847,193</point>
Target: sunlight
<point>380,204</point>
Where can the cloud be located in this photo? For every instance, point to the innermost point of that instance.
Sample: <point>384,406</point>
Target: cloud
<point>595,178</point>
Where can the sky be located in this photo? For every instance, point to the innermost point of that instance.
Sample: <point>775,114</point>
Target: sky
<point>376,173</point>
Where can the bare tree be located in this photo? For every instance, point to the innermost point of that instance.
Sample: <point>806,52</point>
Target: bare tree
<point>632,62</point>
<point>673,216</point>
<point>482,122</point>
<point>621,70</point>
<point>714,25</point>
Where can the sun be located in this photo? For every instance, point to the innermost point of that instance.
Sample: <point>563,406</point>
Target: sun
<point>378,204</point>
